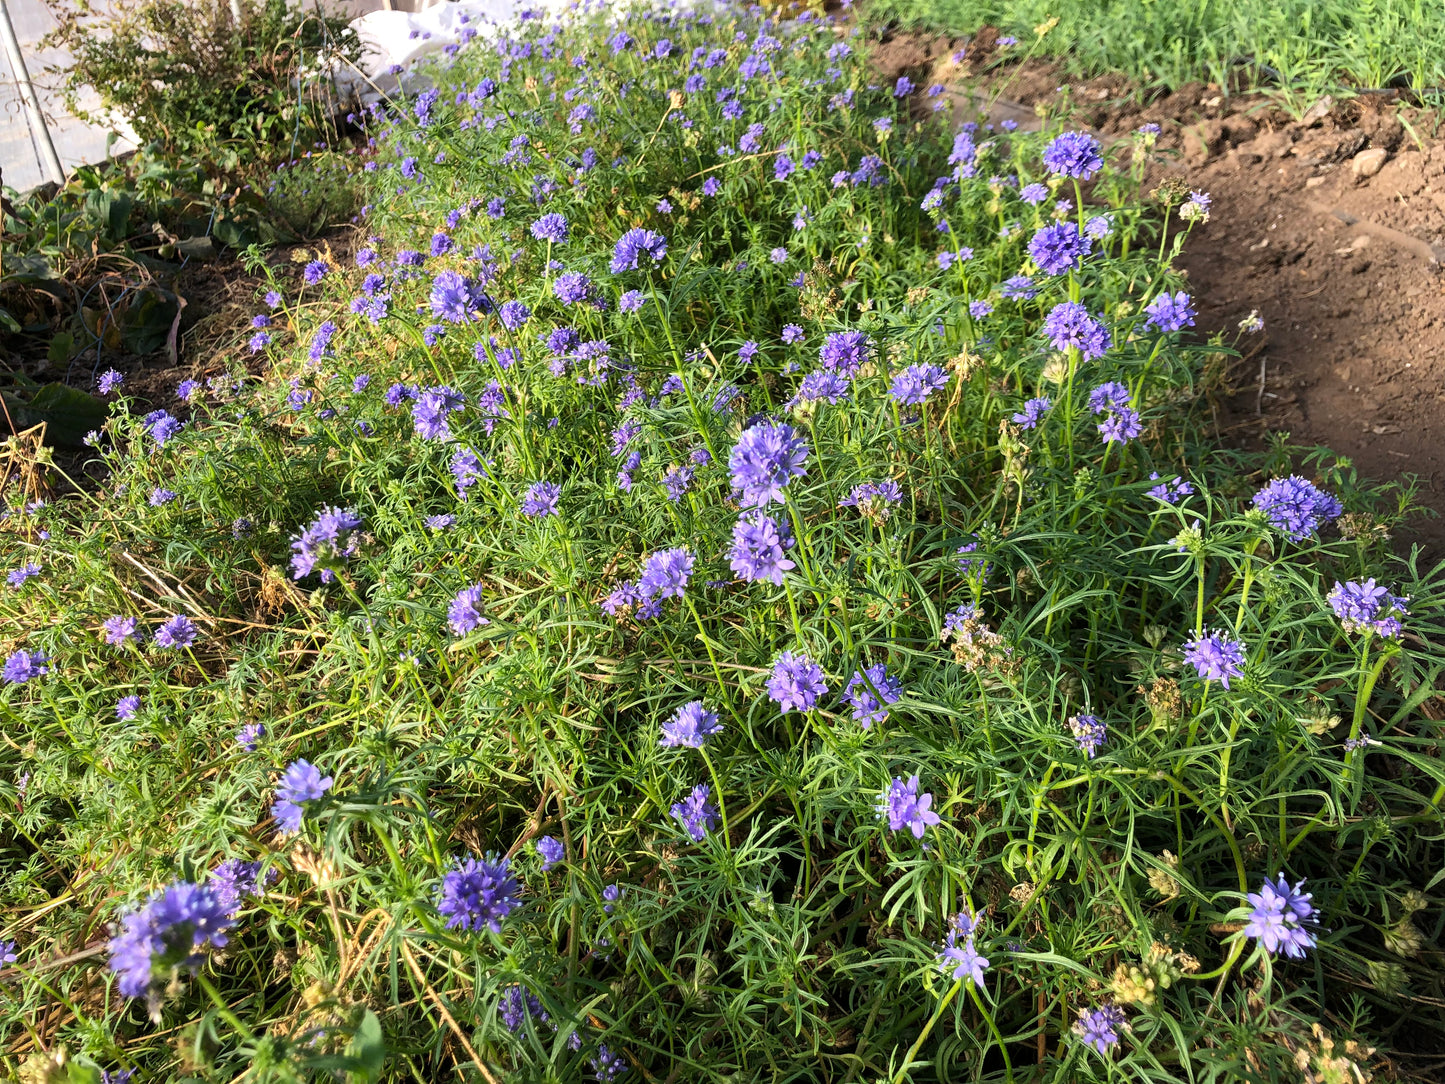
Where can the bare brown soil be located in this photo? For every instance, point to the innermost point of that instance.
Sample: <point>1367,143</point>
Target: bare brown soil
<point>1331,227</point>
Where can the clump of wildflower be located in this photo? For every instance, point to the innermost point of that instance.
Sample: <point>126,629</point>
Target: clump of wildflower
<point>1282,918</point>
<point>1033,411</point>
<point>17,576</point>
<point>108,381</point>
<point>1168,313</point>
<point>962,959</point>
<point>690,726</point>
<point>1059,247</point>
<point>796,682</point>
<point>1170,492</point>
<point>1069,324</point>
<point>551,851</point>
<point>301,782</point>
<point>326,543</point>
<point>176,632</point>
<point>249,736</point>
<point>165,936</point>
<point>464,614</point>
<point>1100,1027</point>
<point>633,245</point>
<point>1215,657</point>
<point>233,881</point>
<point>874,500</point>
<point>608,1065</point>
<point>551,227</point>
<point>23,666</point>
<point>1074,154</point>
<point>518,1003</point>
<point>759,549</point>
<point>844,352</point>
<point>915,384</point>
<point>541,499</point>
<point>1122,421</point>
<point>1367,607</point>
<point>431,409</point>
<point>1296,507</point>
<point>126,707</point>
<point>162,426</point>
<point>1089,731</point>
<point>765,459</point>
<point>904,807</point>
<point>1196,207</point>
<point>870,691</point>
<point>696,813</point>
<point>477,894</point>
<point>665,573</point>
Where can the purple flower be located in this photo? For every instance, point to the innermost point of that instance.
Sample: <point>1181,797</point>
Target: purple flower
<point>233,880</point>
<point>1170,313</point>
<point>464,614</point>
<point>747,351</point>
<point>457,299</point>
<point>162,426</point>
<point>903,88</point>
<point>690,726</point>
<point>108,381</point>
<point>477,894</point>
<point>963,960</point>
<point>821,386</point>
<point>796,683</point>
<point>758,549</point>
<point>676,481</point>
<point>1297,507</point>
<point>634,244</point>
<point>165,935</point>
<point>792,333</point>
<point>1281,918</point>
<point>711,186</point>
<point>913,385</point>
<point>327,542</point>
<point>541,499</point>
<point>431,409</point>
<point>979,309</point>
<point>1069,324</point>
<point>301,782</point>
<point>1034,193</point>
<point>1122,426</point>
<point>8,955</point>
<point>126,707</point>
<point>765,459</point>
<point>869,691</point>
<point>1100,1027</point>
<point>1058,247</point>
<point>631,301</point>
<point>551,852</point>
<point>1018,288</point>
<point>696,813</point>
<point>904,807</point>
<point>519,1003</point>
<point>466,469</point>
<point>17,576</point>
<point>315,272</point>
<point>1215,657</point>
<point>273,299</point>
<point>572,288</point>
<point>844,352</point>
<point>176,632</point>
<point>513,315</point>
<point>187,389</point>
<point>608,1065</point>
<point>1366,607</point>
<point>550,227</point>
<point>1089,731</point>
<point>1033,410</point>
<point>1074,154</point>
<point>24,665</point>
<point>249,736</point>
<point>1171,492</point>
<point>665,573</point>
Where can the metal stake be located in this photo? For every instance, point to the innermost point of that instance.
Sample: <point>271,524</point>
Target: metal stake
<point>39,130</point>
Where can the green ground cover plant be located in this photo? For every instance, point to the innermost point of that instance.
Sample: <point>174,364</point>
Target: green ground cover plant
<point>1300,49</point>
<point>737,583</point>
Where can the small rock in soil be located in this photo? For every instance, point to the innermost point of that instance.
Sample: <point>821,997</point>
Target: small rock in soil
<point>1368,162</point>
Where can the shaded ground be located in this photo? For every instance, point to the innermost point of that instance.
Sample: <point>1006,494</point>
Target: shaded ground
<point>1330,227</point>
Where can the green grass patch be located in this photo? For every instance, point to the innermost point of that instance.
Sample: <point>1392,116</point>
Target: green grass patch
<point>1300,49</point>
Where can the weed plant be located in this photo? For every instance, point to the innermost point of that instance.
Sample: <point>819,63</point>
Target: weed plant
<point>738,584</point>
